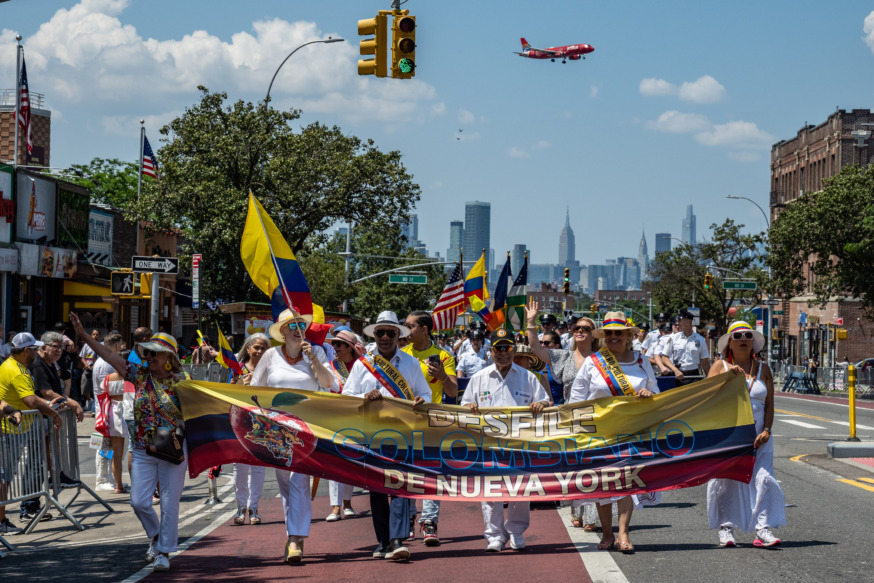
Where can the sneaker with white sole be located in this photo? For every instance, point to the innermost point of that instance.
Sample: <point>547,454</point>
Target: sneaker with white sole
<point>429,533</point>
<point>152,552</point>
<point>104,487</point>
<point>348,512</point>
<point>7,527</point>
<point>496,546</point>
<point>726,537</point>
<point>517,543</point>
<point>162,564</point>
<point>765,538</point>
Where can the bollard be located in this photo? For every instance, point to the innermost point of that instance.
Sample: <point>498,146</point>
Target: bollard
<point>851,386</point>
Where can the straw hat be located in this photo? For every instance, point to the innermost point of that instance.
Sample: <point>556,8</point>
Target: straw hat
<point>615,321</point>
<point>387,318</point>
<point>161,342</point>
<point>525,350</point>
<point>285,317</point>
<point>741,326</point>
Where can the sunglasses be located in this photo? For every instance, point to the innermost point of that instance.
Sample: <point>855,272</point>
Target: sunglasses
<point>149,353</point>
<point>297,325</point>
<point>389,333</point>
<point>547,342</point>
<point>742,335</point>
<point>614,332</point>
<point>503,348</point>
<point>582,329</point>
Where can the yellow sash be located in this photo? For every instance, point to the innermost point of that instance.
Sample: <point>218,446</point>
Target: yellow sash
<point>608,366</point>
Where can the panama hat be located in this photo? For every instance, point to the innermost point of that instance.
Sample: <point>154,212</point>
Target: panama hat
<point>387,318</point>
<point>525,350</point>
<point>285,317</point>
<point>161,342</point>
<point>615,321</point>
<point>741,326</point>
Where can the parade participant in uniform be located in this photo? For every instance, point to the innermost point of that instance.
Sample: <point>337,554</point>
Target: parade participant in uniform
<point>438,367</point>
<point>758,505</point>
<point>464,346</point>
<point>349,348</point>
<point>686,352</point>
<point>615,364</point>
<point>295,364</point>
<point>664,332</point>
<point>476,358</point>
<point>653,336</point>
<point>547,324</point>
<point>505,384</point>
<point>248,479</point>
<point>371,378</point>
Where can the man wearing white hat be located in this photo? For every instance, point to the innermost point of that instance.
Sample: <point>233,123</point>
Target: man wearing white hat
<point>368,379</point>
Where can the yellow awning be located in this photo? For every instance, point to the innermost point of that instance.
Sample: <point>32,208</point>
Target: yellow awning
<point>77,288</point>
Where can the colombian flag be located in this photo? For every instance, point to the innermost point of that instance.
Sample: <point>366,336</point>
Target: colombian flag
<point>493,320</point>
<point>474,283</point>
<point>225,356</point>
<point>271,264</point>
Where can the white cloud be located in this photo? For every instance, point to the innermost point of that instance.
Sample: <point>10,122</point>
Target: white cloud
<point>705,89</point>
<point>593,91</point>
<point>675,122</point>
<point>465,117</point>
<point>515,152</point>
<point>745,156</point>
<point>868,29</point>
<point>541,144</point>
<point>653,86</point>
<point>736,134</point>
<point>87,57</point>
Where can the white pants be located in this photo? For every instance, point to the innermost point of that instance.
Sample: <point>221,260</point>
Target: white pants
<point>146,472</point>
<point>518,518</point>
<point>249,483</point>
<point>294,489</point>
<point>339,492</point>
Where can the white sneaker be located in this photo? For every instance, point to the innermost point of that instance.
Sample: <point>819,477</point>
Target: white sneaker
<point>104,487</point>
<point>764,538</point>
<point>332,517</point>
<point>496,546</point>
<point>517,543</point>
<point>162,564</point>
<point>726,537</point>
<point>152,553</point>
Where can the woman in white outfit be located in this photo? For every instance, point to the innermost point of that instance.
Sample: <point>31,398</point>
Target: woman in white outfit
<point>249,480</point>
<point>296,364</point>
<point>591,383</point>
<point>757,506</point>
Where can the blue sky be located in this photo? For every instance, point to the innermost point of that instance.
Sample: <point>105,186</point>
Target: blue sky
<point>679,103</point>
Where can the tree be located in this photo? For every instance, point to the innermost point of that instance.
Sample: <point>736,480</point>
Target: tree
<point>823,242</point>
<point>676,277</point>
<point>307,181</point>
<point>110,181</point>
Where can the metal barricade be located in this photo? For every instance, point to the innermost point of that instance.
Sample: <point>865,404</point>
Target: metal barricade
<point>64,464</point>
<point>213,372</point>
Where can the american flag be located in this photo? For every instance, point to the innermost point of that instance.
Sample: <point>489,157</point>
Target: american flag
<point>24,107</point>
<point>150,163</point>
<point>451,301</point>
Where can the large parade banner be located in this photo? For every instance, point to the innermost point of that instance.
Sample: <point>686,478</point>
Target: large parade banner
<point>593,449</point>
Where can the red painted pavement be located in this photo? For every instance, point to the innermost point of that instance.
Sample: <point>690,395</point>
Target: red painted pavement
<point>868,461</point>
<point>860,404</point>
<point>341,551</point>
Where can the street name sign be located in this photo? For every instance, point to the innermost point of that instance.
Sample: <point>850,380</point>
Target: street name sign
<point>736,284</point>
<point>168,265</point>
<point>417,279</point>
<point>195,280</point>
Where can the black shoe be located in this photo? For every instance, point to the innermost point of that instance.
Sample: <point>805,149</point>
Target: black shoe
<point>412,527</point>
<point>429,532</point>
<point>379,552</point>
<point>31,514</point>
<point>396,550</point>
<point>7,527</point>
<point>66,481</point>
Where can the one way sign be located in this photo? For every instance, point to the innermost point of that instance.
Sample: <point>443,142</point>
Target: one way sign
<point>155,264</point>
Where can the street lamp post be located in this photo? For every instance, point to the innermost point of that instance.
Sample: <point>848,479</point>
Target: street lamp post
<point>327,40</point>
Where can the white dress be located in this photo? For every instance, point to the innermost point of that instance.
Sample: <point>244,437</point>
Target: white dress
<point>760,503</point>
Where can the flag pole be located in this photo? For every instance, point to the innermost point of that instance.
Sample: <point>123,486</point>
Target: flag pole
<point>140,182</point>
<point>17,99</point>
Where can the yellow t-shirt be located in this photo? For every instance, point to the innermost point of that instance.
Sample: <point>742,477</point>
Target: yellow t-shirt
<point>15,384</point>
<point>422,357</point>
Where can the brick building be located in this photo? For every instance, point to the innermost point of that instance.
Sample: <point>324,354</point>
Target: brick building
<point>800,165</point>
<point>40,130</point>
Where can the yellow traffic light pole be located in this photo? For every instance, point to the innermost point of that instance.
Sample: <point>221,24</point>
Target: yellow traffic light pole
<point>851,387</point>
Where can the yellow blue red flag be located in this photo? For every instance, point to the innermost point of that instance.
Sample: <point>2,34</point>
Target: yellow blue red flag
<point>226,356</point>
<point>475,282</point>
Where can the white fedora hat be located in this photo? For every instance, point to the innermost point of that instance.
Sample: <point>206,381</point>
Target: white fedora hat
<point>387,318</point>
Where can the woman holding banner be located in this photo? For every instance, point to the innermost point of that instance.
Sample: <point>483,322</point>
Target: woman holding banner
<point>615,371</point>
<point>295,364</point>
<point>758,505</point>
<point>249,480</point>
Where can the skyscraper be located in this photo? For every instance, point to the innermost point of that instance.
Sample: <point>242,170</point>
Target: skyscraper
<point>689,227</point>
<point>518,257</point>
<point>477,226</point>
<point>456,240</point>
<point>411,231</point>
<point>566,243</point>
<point>643,255</point>
<point>662,243</point>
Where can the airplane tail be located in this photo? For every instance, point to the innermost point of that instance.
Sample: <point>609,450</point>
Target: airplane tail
<point>525,46</point>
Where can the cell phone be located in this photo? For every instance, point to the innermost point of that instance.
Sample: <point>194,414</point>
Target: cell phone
<point>57,405</point>
<point>435,359</point>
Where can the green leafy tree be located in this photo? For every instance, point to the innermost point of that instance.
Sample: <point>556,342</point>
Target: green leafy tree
<point>823,242</point>
<point>676,277</point>
<point>110,180</point>
<point>307,181</point>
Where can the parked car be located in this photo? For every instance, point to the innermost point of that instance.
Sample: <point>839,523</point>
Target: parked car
<point>865,364</point>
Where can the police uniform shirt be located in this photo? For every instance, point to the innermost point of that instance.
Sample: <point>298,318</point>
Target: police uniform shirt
<point>636,345</point>
<point>469,364</point>
<point>661,347</point>
<point>466,347</point>
<point>567,341</point>
<point>651,338</point>
<point>519,388</point>
<point>361,381</point>
<point>686,352</point>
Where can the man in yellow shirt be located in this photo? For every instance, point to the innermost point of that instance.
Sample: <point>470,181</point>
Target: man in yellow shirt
<point>438,366</point>
<point>16,389</point>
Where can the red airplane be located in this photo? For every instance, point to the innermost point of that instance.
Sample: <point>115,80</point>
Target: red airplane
<point>572,52</point>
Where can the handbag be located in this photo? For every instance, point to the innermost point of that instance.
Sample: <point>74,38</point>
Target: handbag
<point>165,444</point>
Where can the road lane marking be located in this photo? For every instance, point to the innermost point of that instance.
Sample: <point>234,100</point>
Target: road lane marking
<point>869,480</point>
<point>858,425</point>
<point>802,424</point>
<point>857,484</point>
<point>805,415</point>
<point>599,564</point>
<point>797,458</point>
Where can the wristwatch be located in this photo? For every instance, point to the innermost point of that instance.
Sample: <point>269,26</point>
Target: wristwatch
<point>768,429</point>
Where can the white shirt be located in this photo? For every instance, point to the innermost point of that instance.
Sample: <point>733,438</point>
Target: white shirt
<point>519,388</point>
<point>361,381</point>
<point>273,370</point>
<point>87,353</point>
<point>101,369</point>
<point>466,347</point>
<point>567,341</point>
<point>655,346</point>
<point>471,363</point>
<point>590,384</point>
<point>686,352</point>
<point>636,345</point>
<point>651,338</point>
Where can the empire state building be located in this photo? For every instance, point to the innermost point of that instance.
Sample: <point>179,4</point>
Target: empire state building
<point>566,243</point>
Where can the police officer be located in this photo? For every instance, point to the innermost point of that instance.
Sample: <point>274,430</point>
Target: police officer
<point>664,332</point>
<point>686,353</point>
<point>476,358</point>
<point>464,346</point>
<point>547,324</point>
<point>654,334</point>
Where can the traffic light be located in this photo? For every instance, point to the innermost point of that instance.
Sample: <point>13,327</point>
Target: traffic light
<point>376,46</point>
<point>122,283</point>
<point>708,281</point>
<point>403,47</point>
<point>567,281</point>
<point>594,308</point>
<point>145,284</point>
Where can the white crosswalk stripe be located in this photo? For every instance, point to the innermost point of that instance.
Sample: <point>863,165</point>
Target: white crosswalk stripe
<point>801,424</point>
<point>858,425</point>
